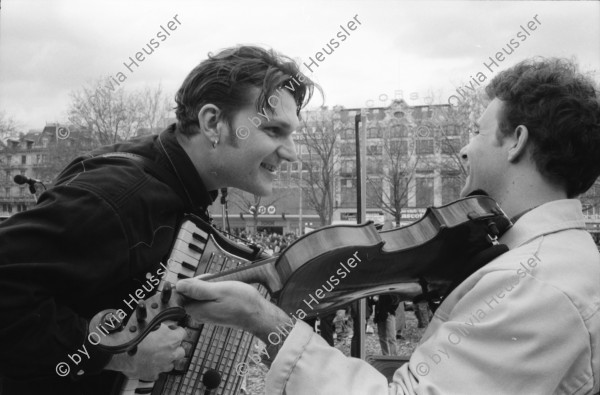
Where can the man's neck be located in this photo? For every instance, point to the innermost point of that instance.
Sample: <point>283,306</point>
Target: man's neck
<point>527,193</point>
<point>199,155</point>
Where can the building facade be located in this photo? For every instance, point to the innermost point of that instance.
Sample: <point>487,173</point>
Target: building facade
<point>412,162</point>
<point>37,155</point>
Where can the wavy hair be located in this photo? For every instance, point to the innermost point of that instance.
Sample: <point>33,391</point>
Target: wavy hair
<point>561,109</point>
<point>227,78</point>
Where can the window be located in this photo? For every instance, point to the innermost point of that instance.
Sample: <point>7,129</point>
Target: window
<point>374,166</point>
<point>284,176</point>
<point>451,130</point>
<point>398,148</point>
<point>23,159</point>
<point>451,186</point>
<point>424,146</point>
<point>399,130</point>
<point>374,192</point>
<point>374,132</point>
<point>313,167</point>
<point>424,191</point>
<point>348,168</point>
<point>347,149</point>
<point>451,145</point>
<point>348,192</point>
<point>348,134</point>
<point>374,149</point>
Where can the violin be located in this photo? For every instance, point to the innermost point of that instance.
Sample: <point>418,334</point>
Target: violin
<point>335,265</point>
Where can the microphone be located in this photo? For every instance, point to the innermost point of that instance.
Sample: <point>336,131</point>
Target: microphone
<point>21,179</point>
<point>211,380</point>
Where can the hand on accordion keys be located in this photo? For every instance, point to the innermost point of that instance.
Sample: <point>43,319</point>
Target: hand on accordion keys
<point>233,304</point>
<point>156,354</point>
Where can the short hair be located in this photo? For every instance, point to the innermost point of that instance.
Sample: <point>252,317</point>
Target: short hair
<point>561,109</point>
<point>227,78</point>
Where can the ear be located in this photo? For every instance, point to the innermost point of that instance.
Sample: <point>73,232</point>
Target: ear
<point>208,121</point>
<point>518,143</point>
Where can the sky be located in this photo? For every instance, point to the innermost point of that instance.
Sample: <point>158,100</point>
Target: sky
<point>419,50</point>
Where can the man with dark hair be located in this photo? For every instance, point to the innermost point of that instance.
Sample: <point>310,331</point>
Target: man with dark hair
<point>528,322</point>
<point>385,319</point>
<point>101,232</point>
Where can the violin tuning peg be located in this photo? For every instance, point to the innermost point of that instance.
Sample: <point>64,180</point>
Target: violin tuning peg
<point>167,291</point>
<point>493,228</point>
<point>141,312</point>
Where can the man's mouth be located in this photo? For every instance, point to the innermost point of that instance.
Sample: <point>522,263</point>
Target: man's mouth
<point>270,168</point>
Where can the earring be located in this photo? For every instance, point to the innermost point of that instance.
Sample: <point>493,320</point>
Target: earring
<point>215,143</point>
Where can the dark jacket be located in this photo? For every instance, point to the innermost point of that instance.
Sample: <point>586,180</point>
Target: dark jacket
<point>86,246</point>
<point>387,304</point>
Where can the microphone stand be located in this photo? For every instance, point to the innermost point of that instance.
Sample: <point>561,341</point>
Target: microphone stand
<point>32,185</point>
<point>37,192</point>
<point>224,208</point>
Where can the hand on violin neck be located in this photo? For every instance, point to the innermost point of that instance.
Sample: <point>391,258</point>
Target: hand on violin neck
<point>233,304</point>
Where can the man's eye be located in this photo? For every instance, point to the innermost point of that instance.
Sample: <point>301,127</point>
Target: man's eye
<point>475,131</point>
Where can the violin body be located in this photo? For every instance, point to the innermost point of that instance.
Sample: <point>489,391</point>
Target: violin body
<point>335,265</point>
<point>342,269</point>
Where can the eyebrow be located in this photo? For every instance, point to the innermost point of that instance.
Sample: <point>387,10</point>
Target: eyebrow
<point>280,124</point>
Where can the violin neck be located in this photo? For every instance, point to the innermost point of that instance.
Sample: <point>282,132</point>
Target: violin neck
<point>262,272</point>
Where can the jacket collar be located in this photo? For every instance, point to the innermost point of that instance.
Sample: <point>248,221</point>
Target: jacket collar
<point>547,218</point>
<point>176,159</point>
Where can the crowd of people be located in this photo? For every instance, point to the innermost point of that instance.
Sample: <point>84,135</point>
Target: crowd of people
<point>271,243</point>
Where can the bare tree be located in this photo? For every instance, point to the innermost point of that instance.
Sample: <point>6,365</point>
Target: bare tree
<point>111,114</point>
<point>399,169</point>
<point>317,144</point>
<point>154,106</point>
<point>8,126</point>
<point>454,125</point>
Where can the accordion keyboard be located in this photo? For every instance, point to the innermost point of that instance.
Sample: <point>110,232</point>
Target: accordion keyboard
<point>199,249</point>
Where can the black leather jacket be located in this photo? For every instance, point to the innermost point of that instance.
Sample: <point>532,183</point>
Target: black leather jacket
<point>88,243</point>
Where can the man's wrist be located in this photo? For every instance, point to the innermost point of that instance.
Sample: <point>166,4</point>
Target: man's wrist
<point>269,321</point>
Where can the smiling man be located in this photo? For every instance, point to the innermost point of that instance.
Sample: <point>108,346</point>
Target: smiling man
<point>108,222</point>
<point>528,322</point>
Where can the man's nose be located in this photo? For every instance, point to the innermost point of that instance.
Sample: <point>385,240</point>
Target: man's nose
<point>287,150</point>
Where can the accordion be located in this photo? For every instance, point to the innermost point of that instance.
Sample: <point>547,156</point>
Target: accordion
<point>199,249</point>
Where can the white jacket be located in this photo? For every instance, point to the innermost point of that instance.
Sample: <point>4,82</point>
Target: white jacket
<point>526,323</point>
